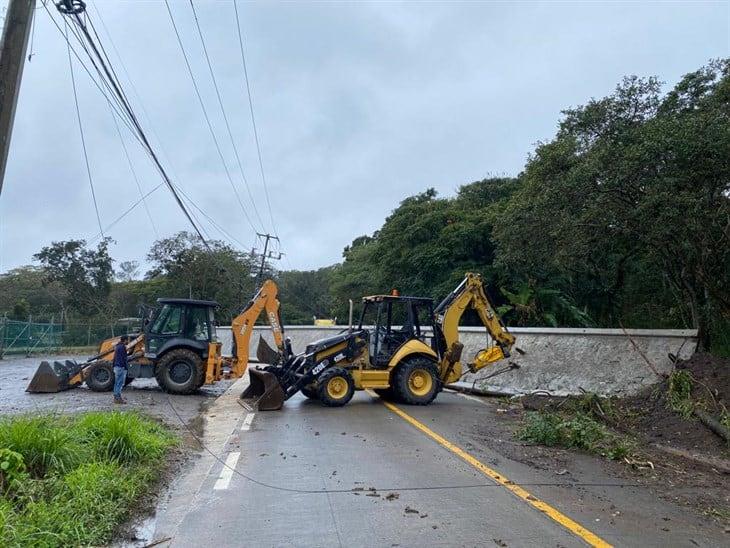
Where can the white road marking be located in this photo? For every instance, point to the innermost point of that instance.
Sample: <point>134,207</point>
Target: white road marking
<point>472,398</point>
<point>247,422</point>
<point>224,480</point>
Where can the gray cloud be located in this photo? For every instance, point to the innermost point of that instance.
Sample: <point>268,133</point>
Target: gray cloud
<point>358,106</point>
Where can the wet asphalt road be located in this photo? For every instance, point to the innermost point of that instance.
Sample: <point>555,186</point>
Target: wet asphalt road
<point>387,483</point>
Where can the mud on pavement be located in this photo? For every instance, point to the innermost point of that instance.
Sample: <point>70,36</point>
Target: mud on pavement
<point>143,395</point>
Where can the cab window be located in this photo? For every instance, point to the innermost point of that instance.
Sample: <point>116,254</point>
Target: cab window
<point>168,321</point>
<point>197,328</point>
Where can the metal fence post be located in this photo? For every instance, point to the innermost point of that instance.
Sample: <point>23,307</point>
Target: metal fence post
<point>4,331</point>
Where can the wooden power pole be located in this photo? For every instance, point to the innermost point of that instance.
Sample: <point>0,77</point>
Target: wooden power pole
<point>14,43</point>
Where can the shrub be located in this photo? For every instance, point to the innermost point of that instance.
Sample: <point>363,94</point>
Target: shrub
<point>577,432</point>
<point>12,469</point>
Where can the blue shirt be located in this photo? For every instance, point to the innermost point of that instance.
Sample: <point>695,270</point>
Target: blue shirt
<point>120,355</point>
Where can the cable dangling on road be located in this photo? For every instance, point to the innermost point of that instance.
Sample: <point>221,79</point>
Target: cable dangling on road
<point>381,489</point>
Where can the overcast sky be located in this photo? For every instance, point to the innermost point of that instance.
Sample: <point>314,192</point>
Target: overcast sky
<point>358,106</point>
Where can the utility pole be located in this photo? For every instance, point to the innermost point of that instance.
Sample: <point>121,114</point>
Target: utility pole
<point>12,58</point>
<point>264,255</point>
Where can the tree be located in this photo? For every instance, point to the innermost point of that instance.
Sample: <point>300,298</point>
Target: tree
<point>127,271</point>
<point>29,285</point>
<point>632,185</point>
<point>85,274</point>
<point>190,269</point>
<point>306,294</point>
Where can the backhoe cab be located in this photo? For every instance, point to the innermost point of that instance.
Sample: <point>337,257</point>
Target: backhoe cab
<point>403,348</point>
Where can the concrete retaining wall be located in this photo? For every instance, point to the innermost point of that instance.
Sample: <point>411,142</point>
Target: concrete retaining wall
<point>559,360</point>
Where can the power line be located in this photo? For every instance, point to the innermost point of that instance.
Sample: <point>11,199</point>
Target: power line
<point>134,175</point>
<point>225,116</point>
<point>126,212</point>
<point>112,105</point>
<point>205,114</point>
<point>253,118</point>
<point>72,9</point>
<point>83,140</point>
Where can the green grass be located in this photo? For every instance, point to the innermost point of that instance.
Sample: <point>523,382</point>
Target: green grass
<point>578,431</point>
<point>80,477</point>
<point>679,393</point>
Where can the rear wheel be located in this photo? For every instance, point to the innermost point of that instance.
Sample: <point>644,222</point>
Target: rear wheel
<point>180,372</point>
<point>335,387</point>
<point>416,381</point>
<point>310,392</point>
<point>101,377</point>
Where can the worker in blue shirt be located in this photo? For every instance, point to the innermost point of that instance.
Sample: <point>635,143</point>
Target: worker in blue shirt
<point>120,368</point>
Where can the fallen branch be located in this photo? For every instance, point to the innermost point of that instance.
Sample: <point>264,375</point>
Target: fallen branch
<point>642,354</point>
<point>713,424</point>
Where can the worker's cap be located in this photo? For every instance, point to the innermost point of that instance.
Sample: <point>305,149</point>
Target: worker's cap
<point>124,338</point>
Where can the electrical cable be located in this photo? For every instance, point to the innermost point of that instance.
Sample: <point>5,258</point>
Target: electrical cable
<point>390,488</point>
<point>140,132</point>
<point>126,212</point>
<point>83,140</point>
<point>225,116</point>
<point>134,175</point>
<point>205,114</point>
<point>88,72</point>
<point>253,119</point>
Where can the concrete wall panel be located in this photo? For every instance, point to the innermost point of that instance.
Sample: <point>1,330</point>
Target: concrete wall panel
<point>561,361</point>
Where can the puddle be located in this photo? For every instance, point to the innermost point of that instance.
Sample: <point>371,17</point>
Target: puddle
<point>142,534</point>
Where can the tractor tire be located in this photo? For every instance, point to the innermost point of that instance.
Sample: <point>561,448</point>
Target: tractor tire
<point>101,377</point>
<point>180,371</point>
<point>335,387</point>
<point>416,381</point>
<point>310,392</point>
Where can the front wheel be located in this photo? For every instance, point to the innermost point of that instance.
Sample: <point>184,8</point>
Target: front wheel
<point>416,381</point>
<point>101,377</point>
<point>335,387</point>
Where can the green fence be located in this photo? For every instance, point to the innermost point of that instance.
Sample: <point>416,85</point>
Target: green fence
<point>28,337</point>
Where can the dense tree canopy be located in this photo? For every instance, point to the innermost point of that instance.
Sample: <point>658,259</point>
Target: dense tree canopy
<point>623,218</point>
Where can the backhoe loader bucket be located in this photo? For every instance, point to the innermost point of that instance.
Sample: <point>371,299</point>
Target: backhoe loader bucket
<point>264,393</point>
<point>266,354</point>
<point>53,378</point>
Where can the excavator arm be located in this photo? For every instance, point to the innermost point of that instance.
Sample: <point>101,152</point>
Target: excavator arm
<point>470,294</point>
<point>266,299</point>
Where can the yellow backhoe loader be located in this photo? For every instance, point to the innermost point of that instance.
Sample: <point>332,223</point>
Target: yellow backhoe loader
<point>403,348</point>
<point>178,347</point>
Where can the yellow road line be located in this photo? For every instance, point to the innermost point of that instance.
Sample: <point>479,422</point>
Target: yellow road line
<point>554,514</point>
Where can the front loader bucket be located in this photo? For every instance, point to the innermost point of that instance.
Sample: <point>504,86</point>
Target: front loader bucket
<point>264,393</point>
<point>53,378</point>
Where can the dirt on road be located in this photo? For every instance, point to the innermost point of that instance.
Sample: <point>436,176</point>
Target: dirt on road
<point>677,458</point>
<point>143,395</point>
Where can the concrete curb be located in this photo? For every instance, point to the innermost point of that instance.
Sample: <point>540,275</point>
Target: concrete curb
<point>220,421</point>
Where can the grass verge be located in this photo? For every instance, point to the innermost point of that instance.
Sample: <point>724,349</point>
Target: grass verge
<point>72,480</point>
